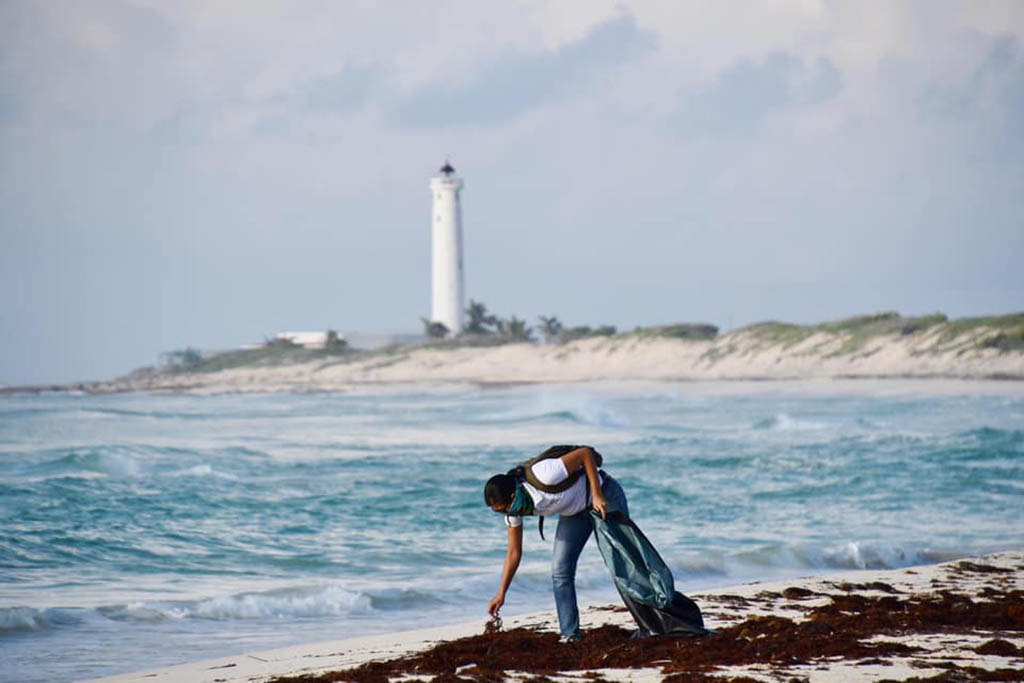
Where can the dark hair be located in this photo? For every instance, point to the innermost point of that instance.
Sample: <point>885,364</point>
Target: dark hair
<point>499,489</point>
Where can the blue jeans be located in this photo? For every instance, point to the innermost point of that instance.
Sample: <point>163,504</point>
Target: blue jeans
<point>570,537</point>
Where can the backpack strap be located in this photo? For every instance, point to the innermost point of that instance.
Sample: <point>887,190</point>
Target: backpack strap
<point>555,452</point>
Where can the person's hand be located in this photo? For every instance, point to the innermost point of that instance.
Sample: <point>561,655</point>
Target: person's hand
<point>600,504</point>
<point>494,606</point>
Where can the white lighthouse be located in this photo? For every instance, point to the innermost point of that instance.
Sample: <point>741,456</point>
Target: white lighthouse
<point>448,305</point>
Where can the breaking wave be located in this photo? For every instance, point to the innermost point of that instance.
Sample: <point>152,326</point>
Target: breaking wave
<point>577,415</point>
<point>286,603</point>
<point>571,407</point>
<point>783,422</point>
<point>329,600</point>
<point>24,619</point>
<point>129,522</point>
<point>107,462</point>
<point>789,559</point>
<point>990,436</point>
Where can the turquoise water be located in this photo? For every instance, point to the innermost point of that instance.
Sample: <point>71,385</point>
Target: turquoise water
<point>140,531</point>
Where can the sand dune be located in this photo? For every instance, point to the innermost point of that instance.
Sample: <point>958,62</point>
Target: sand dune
<point>758,353</point>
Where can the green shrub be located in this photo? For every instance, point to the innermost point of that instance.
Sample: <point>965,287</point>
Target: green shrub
<point>334,343</point>
<point>182,359</point>
<point>1005,341</point>
<point>514,329</point>
<point>433,329</point>
<point>922,323</point>
<point>568,334</point>
<point>280,343</point>
<point>777,332</point>
<point>877,323</point>
<point>699,331</point>
<point>955,328</point>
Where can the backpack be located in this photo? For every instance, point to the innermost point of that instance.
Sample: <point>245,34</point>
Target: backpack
<point>524,472</point>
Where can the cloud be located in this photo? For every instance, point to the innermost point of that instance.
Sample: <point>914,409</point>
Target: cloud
<point>995,87</point>
<point>285,114</point>
<point>984,110</point>
<point>345,90</point>
<point>240,165</point>
<point>516,83</point>
<point>746,93</point>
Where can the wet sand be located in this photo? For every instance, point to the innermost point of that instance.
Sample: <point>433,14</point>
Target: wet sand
<point>958,621</point>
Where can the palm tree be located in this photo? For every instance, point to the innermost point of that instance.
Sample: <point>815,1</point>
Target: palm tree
<point>550,328</point>
<point>516,329</point>
<point>479,319</point>
<point>334,342</point>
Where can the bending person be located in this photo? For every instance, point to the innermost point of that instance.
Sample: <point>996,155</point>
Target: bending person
<point>564,480</point>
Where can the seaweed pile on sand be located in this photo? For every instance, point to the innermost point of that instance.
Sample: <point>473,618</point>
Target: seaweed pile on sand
<point>854,628</point>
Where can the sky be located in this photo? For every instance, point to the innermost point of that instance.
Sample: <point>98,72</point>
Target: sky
<point>205,174</point>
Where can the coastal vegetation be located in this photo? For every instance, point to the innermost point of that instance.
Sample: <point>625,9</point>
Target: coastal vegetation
<point>848,336</point>
<point>184,359</point>
<point>334,342</point>
<point>514,329</point>
<point>860,327</point>
<point>694,331</point>
<point>484,328</point>
<point>274,351</point>
<point>479,321</point>
<point>433,329</point>
<point>556,333</point>
<point>1006,341</point>
<point>932,335</point>
<point>1009,329</point>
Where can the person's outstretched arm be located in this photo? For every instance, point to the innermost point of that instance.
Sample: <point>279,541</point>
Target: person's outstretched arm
<point>584,457</point>
<point>512,557</point>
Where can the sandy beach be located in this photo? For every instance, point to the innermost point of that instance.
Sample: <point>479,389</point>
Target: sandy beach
<point>762,353</point>
<point>883,346</point>
<point>957,621</point>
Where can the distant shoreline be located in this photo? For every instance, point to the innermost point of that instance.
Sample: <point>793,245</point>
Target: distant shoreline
<point>879,347</point>
<point>841,384</point>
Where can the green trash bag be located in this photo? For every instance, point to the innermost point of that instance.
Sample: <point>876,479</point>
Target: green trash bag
<point>644,580</point>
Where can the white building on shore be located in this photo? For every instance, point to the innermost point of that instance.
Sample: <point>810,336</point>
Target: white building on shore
<point>447,278</point>
<point>309,340</point>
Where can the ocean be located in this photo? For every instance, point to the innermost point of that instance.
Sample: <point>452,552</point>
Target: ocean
<point>139,531</point>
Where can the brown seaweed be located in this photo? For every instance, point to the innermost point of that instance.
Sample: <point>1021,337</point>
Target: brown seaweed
<point>840,629</point>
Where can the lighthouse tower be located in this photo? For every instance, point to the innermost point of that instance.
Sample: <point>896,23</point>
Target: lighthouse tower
<point>448,305</point>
